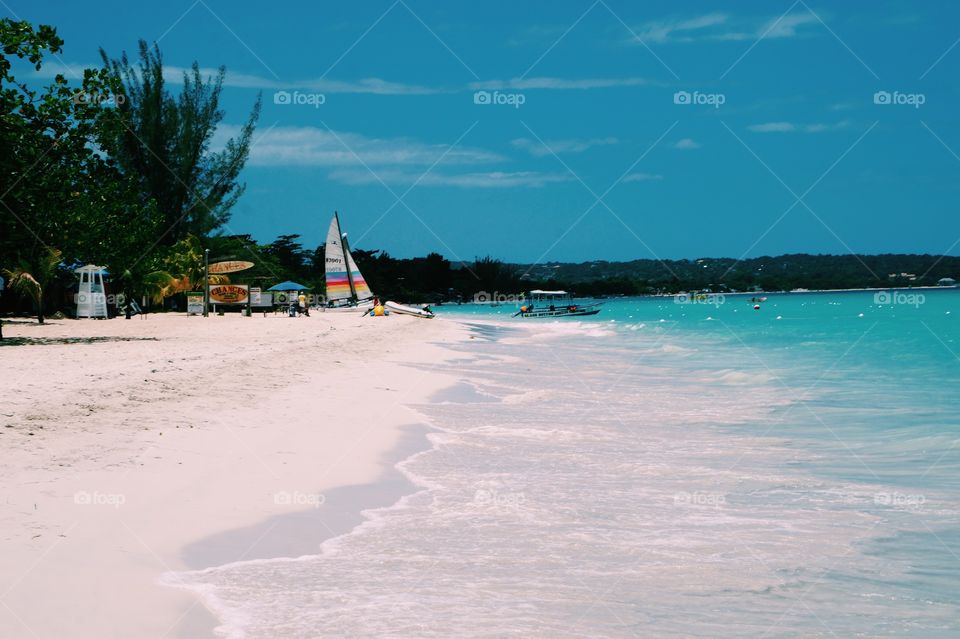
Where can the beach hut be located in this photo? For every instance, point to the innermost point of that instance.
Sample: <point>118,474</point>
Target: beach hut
<point>91,294</point>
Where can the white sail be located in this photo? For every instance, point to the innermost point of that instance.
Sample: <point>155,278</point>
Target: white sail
<point>338,284</point>
<point>344,281</point>
<point>360,287</point>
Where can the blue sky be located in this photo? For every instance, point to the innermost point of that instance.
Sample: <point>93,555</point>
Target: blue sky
<point>607,130</point>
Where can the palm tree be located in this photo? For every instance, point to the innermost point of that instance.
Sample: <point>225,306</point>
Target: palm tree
<point>32,281</point>
<point>180,271</point>
<point>155,286</point>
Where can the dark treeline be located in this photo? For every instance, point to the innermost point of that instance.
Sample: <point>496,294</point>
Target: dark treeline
<point>435,279</point>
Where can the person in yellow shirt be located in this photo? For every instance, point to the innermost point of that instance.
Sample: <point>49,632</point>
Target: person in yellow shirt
<point>304,309</point>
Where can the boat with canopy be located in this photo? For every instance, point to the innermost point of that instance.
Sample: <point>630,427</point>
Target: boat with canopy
<point>554,304</point>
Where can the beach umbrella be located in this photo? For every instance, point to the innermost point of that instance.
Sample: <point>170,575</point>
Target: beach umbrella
<point>287,286</point>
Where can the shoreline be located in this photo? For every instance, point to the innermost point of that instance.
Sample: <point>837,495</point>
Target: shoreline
<point>303,532</point>
<point>156,449</point>
<point>295,534</point>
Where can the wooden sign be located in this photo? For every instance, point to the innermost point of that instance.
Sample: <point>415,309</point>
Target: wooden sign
<point>228,294</point>
<point>230,266</point>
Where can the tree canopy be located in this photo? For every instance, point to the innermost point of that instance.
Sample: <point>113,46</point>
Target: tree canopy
<point>111,168</point>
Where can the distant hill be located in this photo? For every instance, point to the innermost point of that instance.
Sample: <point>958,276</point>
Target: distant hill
<point>434,279</point>
<point>783,272</point>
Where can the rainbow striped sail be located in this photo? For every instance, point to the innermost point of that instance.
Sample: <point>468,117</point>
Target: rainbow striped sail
<point>345,284</point>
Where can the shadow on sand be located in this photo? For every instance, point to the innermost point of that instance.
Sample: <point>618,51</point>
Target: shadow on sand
<point>35,341</point>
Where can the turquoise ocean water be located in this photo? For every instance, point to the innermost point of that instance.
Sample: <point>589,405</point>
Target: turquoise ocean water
<point>664,469</point>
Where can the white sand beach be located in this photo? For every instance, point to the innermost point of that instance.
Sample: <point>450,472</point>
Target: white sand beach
<point>146,436</point>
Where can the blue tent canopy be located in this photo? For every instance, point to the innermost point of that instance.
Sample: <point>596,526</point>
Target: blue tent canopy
<point>287,286</point>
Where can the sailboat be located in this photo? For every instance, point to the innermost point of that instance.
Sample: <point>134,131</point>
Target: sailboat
<point>346,288</point>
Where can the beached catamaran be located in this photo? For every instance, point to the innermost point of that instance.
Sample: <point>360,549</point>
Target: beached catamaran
<point>346,288</point>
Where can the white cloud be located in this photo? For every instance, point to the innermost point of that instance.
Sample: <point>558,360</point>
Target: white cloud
<point>358,160</point>
<point>686,143</point>
<point>557,83</point>
<point>773,127</point>
<point>321,85</point>
<point>549,147</point>
<point>720,27</point>
<point>679,30</point>
<point>174,75</point>
<point>791,127</point>
<point>843,106</point>
<point>786,27</point>
<point>643,177</point>
<point>483,180</point>
<point>70,70</point>
<point>376,86</point>
<point>312,146</point>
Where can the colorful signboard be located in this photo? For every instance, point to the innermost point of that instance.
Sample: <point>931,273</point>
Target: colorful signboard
<point>228,294</point>
<point>230,266</point>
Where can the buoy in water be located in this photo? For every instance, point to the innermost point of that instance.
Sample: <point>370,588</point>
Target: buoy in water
<point>756,307</point>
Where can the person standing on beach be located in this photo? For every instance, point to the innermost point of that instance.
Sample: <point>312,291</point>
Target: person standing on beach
<point>302,299</point>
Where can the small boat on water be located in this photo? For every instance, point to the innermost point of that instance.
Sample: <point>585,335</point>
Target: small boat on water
<point>346,288</point>
<point>555,304</point>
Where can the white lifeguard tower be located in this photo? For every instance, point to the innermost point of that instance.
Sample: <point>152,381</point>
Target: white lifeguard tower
<point>91,296</point>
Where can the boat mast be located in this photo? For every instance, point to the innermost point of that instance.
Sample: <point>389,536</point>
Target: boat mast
<point>346,261</point>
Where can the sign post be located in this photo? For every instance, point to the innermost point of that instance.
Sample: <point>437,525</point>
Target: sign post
<point>206,282</point>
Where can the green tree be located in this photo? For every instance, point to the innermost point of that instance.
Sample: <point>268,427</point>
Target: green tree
<point>290,254</point>
<point>57,188</point>
<point>31,280</point>
<point>165,141</point>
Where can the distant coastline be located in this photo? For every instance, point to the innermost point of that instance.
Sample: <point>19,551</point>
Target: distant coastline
<point>822,290</point>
